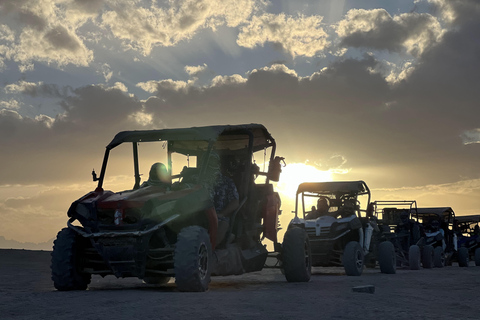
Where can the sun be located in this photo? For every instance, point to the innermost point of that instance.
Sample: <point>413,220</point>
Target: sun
<point>295,173</point>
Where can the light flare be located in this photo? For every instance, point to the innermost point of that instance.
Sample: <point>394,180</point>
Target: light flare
<point>295,173</point>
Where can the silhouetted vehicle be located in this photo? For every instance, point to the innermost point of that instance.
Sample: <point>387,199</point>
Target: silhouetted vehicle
<point>397,220</point>
<point>468,239</point>
<point>341,236</point>
<point>437,224</point>
<point>158,231</point>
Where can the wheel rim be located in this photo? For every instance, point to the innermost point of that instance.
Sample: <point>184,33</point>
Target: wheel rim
<point>358,259</point>
<point>203,261</point>
<point>442,258</point>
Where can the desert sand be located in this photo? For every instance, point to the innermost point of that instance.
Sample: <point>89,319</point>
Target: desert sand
<point>26,292</point>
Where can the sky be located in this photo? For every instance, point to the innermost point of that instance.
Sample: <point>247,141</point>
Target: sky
<point>381,91</point>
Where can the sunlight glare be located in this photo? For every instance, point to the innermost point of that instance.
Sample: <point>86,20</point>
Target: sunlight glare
<point>295,173</point>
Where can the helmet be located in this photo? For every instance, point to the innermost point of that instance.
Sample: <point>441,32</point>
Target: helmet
<point>159,173</point>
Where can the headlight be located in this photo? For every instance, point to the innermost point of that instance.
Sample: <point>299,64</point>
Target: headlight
<point>83,210</point>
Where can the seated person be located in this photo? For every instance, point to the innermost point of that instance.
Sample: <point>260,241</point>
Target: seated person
<point>223,193</point>
<point>476,230</point>
<point>405,224</point>
<point>322,209</point>
<point>158,176</point>
<point>347,210</point>
<point>434,226</point>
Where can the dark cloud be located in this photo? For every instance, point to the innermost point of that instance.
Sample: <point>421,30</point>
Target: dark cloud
<point>39,89</point>
<point>18,11</point>
<point>385,32</point>
<point>409,134</point>
<point>464,11</point>
<point>60,38</point>
<point>46,150</point>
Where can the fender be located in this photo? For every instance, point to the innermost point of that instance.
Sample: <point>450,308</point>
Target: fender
<point>211,215</point>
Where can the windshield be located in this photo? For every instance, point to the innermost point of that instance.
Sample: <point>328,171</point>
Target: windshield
<point>120,171</point>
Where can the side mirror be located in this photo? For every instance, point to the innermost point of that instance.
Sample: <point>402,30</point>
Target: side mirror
<point>94,175</point>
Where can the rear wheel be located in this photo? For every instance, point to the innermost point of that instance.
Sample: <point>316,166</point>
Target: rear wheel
<point>67,262</point>
<point>438,257</point>
<point>193,259</point>
<point>353,259</point>
<point>477,257</point>
<point>414,257</point>
<point>387,258</point>
<point>427,257</point>
<point>463,257</point>
<point>296,255</point>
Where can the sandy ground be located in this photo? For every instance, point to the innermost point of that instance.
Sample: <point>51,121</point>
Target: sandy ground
<point>26,292</point>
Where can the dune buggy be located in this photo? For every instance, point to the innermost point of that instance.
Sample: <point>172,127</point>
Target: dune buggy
<point>437,225</point>
<point>158,231</point>
<point>468,239</point>
<point>342,234</point>
<point>397,220</point>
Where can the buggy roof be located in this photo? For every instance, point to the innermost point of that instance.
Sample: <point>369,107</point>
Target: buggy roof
<point>472,218</point>
<point>333,186</point>
<point>440,211</point>
<point>226,137</point>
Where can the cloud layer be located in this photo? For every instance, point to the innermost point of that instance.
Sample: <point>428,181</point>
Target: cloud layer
<point>408,125</point>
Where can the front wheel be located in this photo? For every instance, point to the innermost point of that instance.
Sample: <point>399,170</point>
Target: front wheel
<point>67,262</point>
<point>193,259</point>
<point>353,259</point>
<point>427,257</point>
<point>414,257</point>
<point>387,258</point>
<point>477,257</point>
<point>296,255</point>
<point>463,257</point>
<point>439,257</point>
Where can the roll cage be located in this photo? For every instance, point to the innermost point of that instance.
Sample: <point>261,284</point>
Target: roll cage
<point>337,192</point>
<point>196,141</point>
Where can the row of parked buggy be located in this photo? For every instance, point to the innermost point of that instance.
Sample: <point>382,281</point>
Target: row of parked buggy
<point>157,230</point>
<point>388,234</point>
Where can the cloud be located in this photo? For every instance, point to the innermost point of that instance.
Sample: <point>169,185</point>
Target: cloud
<point>87,8</point>
<point>10,104</point>
<point>377,29</point>
<point>43,211</point>
<point>464,194</point>
<point>153,86</point>
<point>296,35</point>
<point>91,116</point>
<point>335,163</point>
<point>42,33</point>
<point>106,72</point>
<point>33,89</point>
<point>347,117</point>
<point>196,70</point>
<point>471,136</point>
<point>143,27</point>
<point>457,12</point>
<point>220,81</point>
